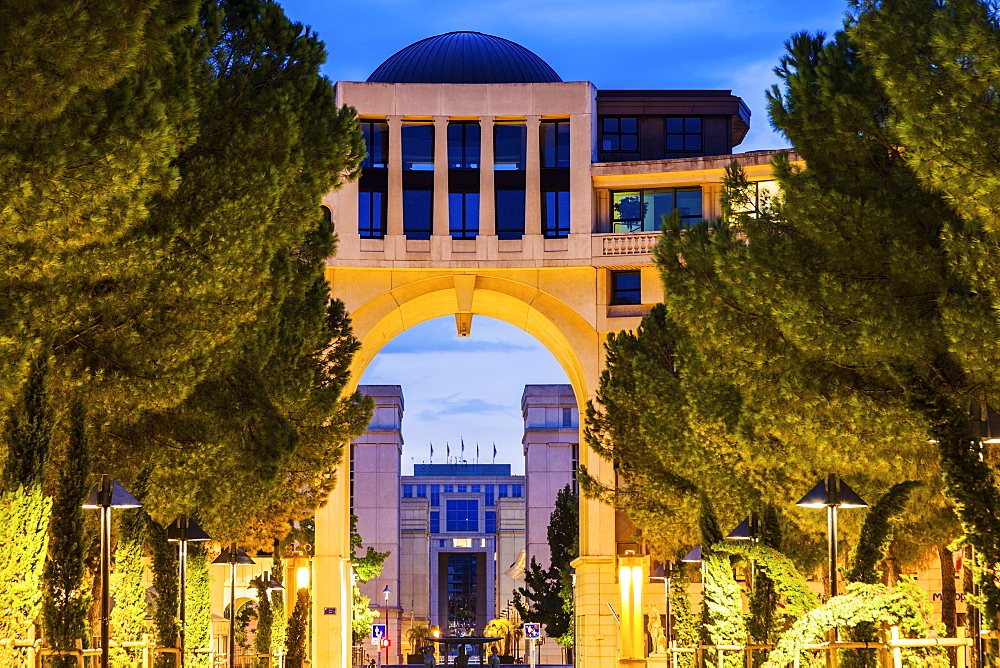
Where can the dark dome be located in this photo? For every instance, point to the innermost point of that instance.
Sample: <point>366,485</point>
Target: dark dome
<point>464,57</point>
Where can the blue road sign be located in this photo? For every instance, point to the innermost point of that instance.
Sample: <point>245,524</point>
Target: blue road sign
<point>532,631</point>
<point>378,631</point>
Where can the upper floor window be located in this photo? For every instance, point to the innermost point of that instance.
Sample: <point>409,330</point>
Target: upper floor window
<point>515,491</point>
<point>448,489</point>
<point>463,216</point>
<point>435,495</point>
<point>463,145</point>
<point>555,214</point>
<point>619,133</point>
<point>418,146</point>
<point>417,213</point>
<point>488,490</point>
<point>510,145</point>
<point>435,523</point>
<point>683,134</point>
<point>461,489</point>
<point>643,210</point>
<point>510,214</point>
<point>567,417</point>
<point>421,491</point>
<point>491,521</point>
<point>626,288</point>
<point>462,515</point>
<point>371,214</point>
<point>407,491</point>
<point>376,135</point>
<point>474,489</point>
<point>758,198</point>
<point>554,143</point>
<point>502,492</point>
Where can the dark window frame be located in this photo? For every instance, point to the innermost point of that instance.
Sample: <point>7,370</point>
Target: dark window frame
<point>462,515</point>
<point>368,227</point>
<point>622,296</point>
<point>414,160</point>
<point>465,225</point>
<point>687,138</point>
<point>368,131</point>
<point>469,153</point>
<point>556,224</point>
<point>552,152</point>
<point>631,224</point>
<point>616,136</point>
<point>508,165</point>
<point>410,228</point>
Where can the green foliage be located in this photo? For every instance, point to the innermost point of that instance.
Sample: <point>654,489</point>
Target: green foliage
<point>362,617</point>
<point>725,623</point>
<point>128,616</point>
<point>28,434</point>
<point>198,610</point>
<point>366,567</point>
<point>265,622</point>
<point>298,627</point>
<point>686,627</point>
<point>24,514</point>
<point>65,595</point>
<point>163,564</point>
<point>876,533</point>
<point>789,585</point>
<point>764,601</point>
<point>277,602</point>
<point>904,605</point>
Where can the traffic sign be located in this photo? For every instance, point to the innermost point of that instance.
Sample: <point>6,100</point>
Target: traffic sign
<point>378,631</point>
<point>532,631</point>
<point>385,642</point>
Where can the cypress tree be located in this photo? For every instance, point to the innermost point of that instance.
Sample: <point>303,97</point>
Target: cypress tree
<point>277,602</point>
<point>298,626</point>
<point>66,596</point>
<point>163,564</point>
<point>265,621</point>
<point>198,633</point>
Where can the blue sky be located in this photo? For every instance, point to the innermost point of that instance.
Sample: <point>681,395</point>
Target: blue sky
<point>627,44</point>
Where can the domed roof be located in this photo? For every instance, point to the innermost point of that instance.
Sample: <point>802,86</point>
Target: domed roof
<point>464,57</point>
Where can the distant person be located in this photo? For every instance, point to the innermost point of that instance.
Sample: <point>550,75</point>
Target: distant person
<point>462,660</point>
<point>428,655</point>
<point>494,658</point>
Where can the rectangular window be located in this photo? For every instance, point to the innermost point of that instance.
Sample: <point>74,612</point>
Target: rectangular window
<point>502,492</point>
<point>421,491</point>
<point>567,417</point>
<point>491,521</point>
<point>554,143</point>
<point>448,489</point>
<point>643,210</point>
<point>474,489</point>
<point>461,542</point>
<point>441,543</point>
<point>619,133</point>
<point>435,495</point>
<point>463,145</point>
<point>418,146</point>
<point>376,135</point>
<point>555,214</point>
<point>515,491</point>
<point>463,515</point>
<point>510,214</point>
<point>683,134</point>
<point>436,523</point>
<point>417,213</point>
<point>463,215</point>
<point>510,146</point>
<point>371,214</point>
<point>461,489</point>
<point>489,495</point>
<point>407,491</point>
<point>626,288</point>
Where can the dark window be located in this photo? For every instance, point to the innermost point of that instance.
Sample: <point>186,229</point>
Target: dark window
<point>461,489</point>
<point>448,489</point>
<point>421,491</point>
<point>463,145</point>
<point>515,491</point>
<point>371,214</point>
<point>510,145</point>
<point>643,210</point>
<point>554,143</point>
<point>626,288</point>
<point>463,215</point>
<point>418,146</point>
<point>417,217</point>
<point>502,493</point>
<point>435,495</point>
<point>463,593</point>
<point>567,417</point>
<point>474,489</point>
<point>510,214</point>
<point>463,515</point>
<point>555,214</point>
<point>376,135</point>
<point>407,491</point>
<point>683,134</point>
<point>491,521</point>
<point>436,523</point>
<point>619,133</point>
<point>489,495</point>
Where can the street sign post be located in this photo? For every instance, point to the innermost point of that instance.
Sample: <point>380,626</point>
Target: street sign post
<point>378,638</point>
<point>533,634</point>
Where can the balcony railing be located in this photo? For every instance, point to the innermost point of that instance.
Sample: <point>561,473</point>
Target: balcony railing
<point>637,243</point>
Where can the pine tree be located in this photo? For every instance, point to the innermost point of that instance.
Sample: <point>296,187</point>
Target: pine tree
<point>66,596</point>
<point>198,608</point>
<point>163,564</point>
<point>278,602</point>
<point>298,624</point>
<point>128,615</point>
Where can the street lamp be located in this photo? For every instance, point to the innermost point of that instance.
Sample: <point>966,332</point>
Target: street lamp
<point>232,556</point>
<point>385,594</point>
<point>106,495</point>
<point>748,529</point>
<point>182,531</point>
<point>832,493</point>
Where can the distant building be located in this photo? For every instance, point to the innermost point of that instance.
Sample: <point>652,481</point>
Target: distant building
<point>454,529</point>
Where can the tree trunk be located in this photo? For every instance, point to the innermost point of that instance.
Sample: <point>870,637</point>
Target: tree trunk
<point>948,617</point>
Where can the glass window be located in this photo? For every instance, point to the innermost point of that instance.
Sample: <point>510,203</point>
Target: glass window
<point>417,217</point>
<point>421,491</point>
<point>626,288</point>
<point>371,214</point>
<point>567,417</point>
<point>643,210</point>
<point>462,515</point>
<point>683,134</point>
<point>555,214</point>
<point>435,495</point>
<point>376,135</point>
<point>461,489</point>
<point>515,491</point>
<point>510,214</point>
<point>418,146</point>
<point>554,143</point>
<point>502,493</point>
<point>448,489</point>
<point>510,145</point>
<point>491,521</point>
<point>463,145</point>
<point>407,491</point>
<point>463,215</point>
<point>474,489</point>
<point>461,542</point>
<point>619,133</point>
<point>758,198</point>
<point>436,523</point>
<point>489,494</point>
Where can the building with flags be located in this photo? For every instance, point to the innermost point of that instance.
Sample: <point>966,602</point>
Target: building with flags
<point>459,534</point>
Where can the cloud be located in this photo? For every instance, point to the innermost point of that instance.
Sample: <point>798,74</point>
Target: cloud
<point>435,407</point>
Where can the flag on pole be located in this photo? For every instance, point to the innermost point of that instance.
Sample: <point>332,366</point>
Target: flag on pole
<point>463,450</point>
<point>494,452</point>
<point>432,453</point>
<point>447,458</point>
<point>477,452</point>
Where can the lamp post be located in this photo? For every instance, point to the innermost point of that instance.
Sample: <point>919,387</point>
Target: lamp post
<point>182,531</point>
<point>385,595</point>
<point>232,556</point>
<point>832,493</point>
<point>106,495</point>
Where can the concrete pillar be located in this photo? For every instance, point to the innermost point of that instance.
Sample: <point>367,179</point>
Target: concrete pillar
<point>440,224</point>
<point>331,583</point>
<point>580,143</point>
<point>533,180</point>
<point>394,221</point>
<point>487,195</point>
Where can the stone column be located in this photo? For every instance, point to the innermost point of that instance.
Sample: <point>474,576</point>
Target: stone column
<point>487,194</point>
<point>440,224</point>
<point>394,221</point>
<point>533,180</point>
